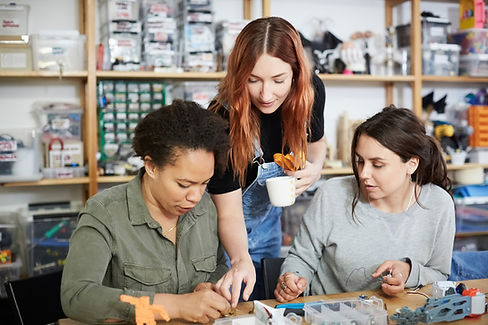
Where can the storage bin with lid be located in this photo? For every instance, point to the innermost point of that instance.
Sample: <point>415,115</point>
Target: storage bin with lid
<point>474,65</point>
<point>19,155</point>
<point>58,50</point>
<point>15,53</point>
<point>13,19</point>
<point>440,59</point>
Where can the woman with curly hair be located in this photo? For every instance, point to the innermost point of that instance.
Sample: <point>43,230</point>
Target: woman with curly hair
<point>157,235</point>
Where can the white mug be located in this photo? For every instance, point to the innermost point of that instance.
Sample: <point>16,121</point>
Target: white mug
<point>281,190</point>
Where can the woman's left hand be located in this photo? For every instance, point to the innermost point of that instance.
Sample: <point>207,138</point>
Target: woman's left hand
<point>306,176</point>
<point>394,282</point>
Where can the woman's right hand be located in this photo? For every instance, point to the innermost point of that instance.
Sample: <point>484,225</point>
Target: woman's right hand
<point>289,287</point>
<point>241,271</point>
<point>200,306</point>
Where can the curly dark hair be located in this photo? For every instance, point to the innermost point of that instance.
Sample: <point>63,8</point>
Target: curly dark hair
<point>183,125</point>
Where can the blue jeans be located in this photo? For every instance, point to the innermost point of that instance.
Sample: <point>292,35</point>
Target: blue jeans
<point>469,265</point>
<point>263,222</point>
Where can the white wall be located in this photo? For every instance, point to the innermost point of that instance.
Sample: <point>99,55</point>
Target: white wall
<point>342,18</point>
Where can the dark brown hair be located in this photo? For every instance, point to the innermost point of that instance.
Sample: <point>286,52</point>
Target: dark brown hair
<point>399,130</point>
<point>183,125</point>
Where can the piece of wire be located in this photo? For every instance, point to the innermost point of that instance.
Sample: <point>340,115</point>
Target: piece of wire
<point>418,293</point>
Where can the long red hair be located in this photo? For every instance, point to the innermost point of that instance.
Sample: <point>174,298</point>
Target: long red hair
<point>276,37</point>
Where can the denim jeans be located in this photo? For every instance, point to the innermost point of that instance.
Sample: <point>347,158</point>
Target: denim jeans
<point>263,222</point>
<point>469,265</point>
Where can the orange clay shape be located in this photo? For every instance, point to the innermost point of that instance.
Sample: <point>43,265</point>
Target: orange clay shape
<point>144,310</point>
<point>287,162</point>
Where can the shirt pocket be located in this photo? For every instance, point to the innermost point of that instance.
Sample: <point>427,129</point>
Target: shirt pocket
<point>204,267</point>
<point>146,278</point>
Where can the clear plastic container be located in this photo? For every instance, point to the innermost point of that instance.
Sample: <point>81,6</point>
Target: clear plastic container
<point>20,157</point>
<point>13,19</point>
<point>9,272</point>
<point>15,53</point>
<point>59,51</point>
<point>440,59</point>
<point>347,311</point>
<point>59,120</point>
<point>474,65</point>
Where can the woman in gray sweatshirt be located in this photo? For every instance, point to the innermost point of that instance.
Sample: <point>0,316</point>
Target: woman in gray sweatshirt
<point>394,217</point>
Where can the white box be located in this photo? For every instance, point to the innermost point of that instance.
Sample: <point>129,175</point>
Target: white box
<point>13,19</point>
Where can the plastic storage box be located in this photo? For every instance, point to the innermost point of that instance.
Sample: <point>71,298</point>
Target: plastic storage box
<point>440,59</point>
<point>472,41</point>
<point>347,311</point>
<point>434,30</point>
<point>15,53</point>
<point>59,120</point>
<point>9,272</point>
<point>58,50</point>
<point>19,155</point>
<point>478,119</point>
<point>13,19</point>
<point>474,65</point>
<point>50,240</point>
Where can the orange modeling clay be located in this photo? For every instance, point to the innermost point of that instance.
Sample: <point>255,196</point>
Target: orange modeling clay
<point>288,162</point>
<point>144,310</point>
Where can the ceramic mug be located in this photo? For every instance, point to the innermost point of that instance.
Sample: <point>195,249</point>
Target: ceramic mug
<point>281,190</point>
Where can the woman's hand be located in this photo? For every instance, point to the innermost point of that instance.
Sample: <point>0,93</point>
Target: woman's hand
<point>398,273</point>
<point>289,287</point>
<point>306,177</point>
<point>200,306</point>
<point>241,271</point>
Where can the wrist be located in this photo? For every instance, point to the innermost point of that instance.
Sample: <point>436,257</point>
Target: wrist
<point>244,257</point>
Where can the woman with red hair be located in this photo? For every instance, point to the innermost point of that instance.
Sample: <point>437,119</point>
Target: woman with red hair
<point>274,104</point>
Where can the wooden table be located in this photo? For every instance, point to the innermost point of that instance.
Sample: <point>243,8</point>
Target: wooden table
<point>392,303</point>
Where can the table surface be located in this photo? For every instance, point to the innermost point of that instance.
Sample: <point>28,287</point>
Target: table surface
<point>392,304</point>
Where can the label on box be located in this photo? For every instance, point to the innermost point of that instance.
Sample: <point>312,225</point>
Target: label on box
<point>4,157</point>
<point>8,145</point>
<point>13,60</point>
<point>10,23</point>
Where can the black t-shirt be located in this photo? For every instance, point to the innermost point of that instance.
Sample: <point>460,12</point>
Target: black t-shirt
<point>271,137</point>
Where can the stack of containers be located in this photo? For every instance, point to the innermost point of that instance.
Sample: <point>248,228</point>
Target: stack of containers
<point>61,137</point>
<point>121,105</point>
<point>473,38</point>
<point>15,51</point>
<point>159,35</point>
<point>120,34</point>
<point>226,34</point>
<point>196,30</point>
<point>438,57</point>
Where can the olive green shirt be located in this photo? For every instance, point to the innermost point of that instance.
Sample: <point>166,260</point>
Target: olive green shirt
<point>118,248</point>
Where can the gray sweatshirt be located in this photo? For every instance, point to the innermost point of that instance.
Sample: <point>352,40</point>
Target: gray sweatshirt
<point>336,254</point>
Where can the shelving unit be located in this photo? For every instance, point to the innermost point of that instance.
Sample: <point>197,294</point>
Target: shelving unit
<point>88,83</point>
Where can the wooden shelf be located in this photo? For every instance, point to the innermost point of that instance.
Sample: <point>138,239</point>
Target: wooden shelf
<point>348,170</point>
<point>115,179</point>
<point>472,234</point>
<point>43,74</point>
<point>47,182</point>
<point>465,166</point>
<point>365,78</point>
<point>159,75</point>
<point>455,79</point>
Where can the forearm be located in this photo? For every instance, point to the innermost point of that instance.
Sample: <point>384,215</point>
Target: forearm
<point>232,229</point>
<point>171,304</point>
<point>233,235</point>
